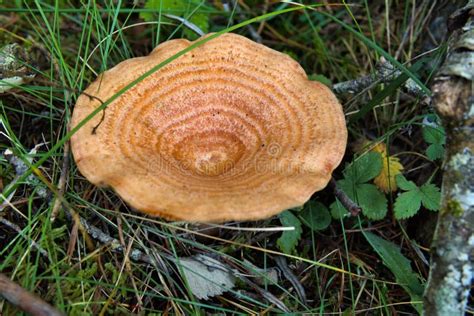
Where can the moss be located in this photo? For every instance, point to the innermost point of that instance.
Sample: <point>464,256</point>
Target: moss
<point>454,208</point>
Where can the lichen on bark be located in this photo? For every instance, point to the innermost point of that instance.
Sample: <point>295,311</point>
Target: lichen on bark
<point>451,272</point>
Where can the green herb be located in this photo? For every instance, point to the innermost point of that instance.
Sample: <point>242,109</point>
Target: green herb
<point>408,203</point>
<point>372,202</point>
<point>289,239</point>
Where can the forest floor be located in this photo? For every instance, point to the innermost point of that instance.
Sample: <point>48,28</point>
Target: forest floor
<point>85,251</point>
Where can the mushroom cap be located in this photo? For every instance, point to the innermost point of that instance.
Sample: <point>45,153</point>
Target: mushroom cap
<point>231,130</point>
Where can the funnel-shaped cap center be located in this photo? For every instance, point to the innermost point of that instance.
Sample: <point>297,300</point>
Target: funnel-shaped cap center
<point>209,154</point>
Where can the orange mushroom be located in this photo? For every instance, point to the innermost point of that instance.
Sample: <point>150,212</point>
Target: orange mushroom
<point>231,130</point>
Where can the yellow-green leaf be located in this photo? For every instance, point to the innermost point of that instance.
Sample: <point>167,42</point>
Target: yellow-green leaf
<point>391,167</point>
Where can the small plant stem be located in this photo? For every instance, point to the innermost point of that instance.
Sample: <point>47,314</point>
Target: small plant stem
<point>345,200</point>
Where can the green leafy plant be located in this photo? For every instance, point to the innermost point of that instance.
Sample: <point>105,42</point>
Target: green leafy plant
<point>315,215</point>
<point>372,202</point>
<point>400,266</point>
<point>185,9</point>
<point>289,239</point>
<point>82,281</point>
<point>435,136</point>
<point>408,203</point>
<point>68,285</point>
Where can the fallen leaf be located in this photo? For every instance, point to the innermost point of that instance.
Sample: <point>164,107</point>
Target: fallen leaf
<point>206,277</point>
<point>391,167</point>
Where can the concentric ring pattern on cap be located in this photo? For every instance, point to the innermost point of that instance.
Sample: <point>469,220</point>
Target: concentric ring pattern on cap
<point>232,130</point>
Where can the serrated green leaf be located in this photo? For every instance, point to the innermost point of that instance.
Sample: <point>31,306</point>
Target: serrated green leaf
<point>364,168</point>
<point>337,210</point>
<point>435,151</point>
<point>404,184</point>
<point>434,135</point>
<point>372,201</point>
<point>400,266</point>
<point>407,204</point>
<point>182,8</point>
<point>289,239</point>
<point>315,215</point>
<point>430,196</point>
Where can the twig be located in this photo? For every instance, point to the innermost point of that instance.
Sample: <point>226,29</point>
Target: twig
<point>385,72</point>
<point>283,265</point>
<point>62,181</point>
<point>25,300</point>
<point>21,167</point>
<point>355,85</point>
<point>346,201</point>
<point>16,228</point>
<point>251,229</point>
<point>98,234</point>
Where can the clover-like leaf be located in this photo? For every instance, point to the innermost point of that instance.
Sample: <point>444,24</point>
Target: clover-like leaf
<point>337,210</point>
<point>434,134</point>
<point>315,215</point>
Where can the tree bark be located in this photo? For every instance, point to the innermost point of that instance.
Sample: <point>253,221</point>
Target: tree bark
<point>451,273</point>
